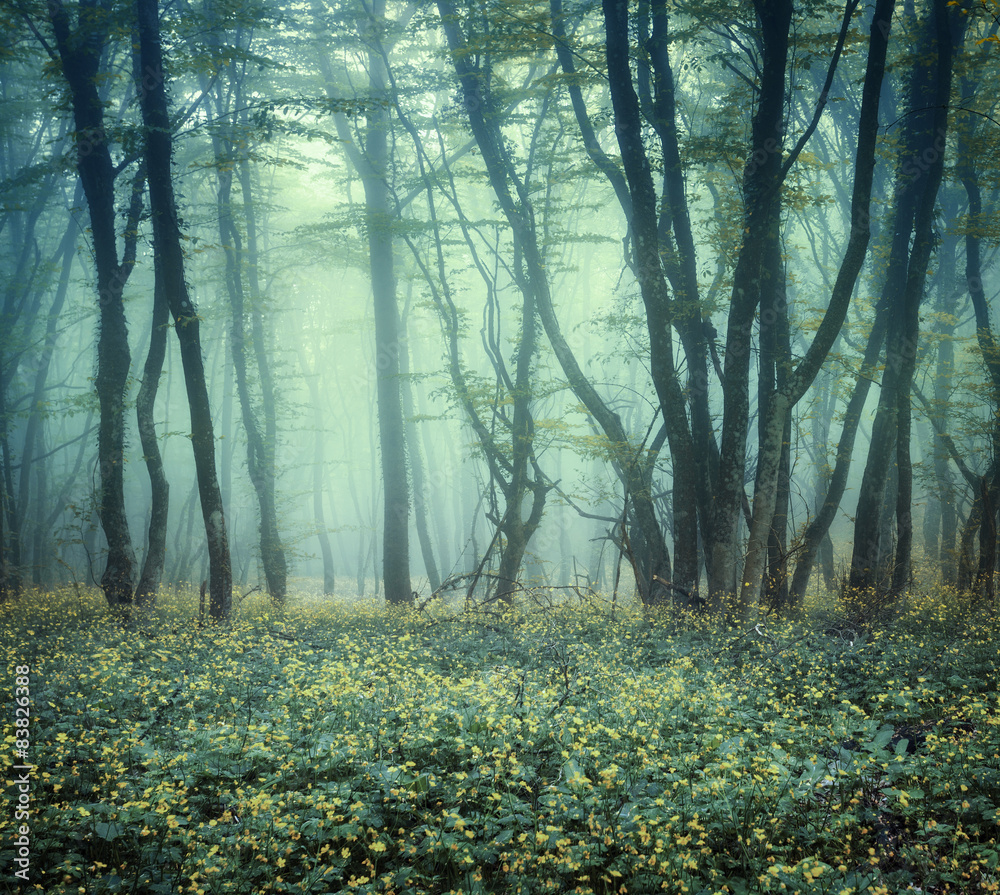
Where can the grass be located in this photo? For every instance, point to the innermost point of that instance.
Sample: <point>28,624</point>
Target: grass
<point>342,746</point>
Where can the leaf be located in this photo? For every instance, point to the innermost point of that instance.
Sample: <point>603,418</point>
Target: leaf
<point>881,740</point>
<point>108,831</point>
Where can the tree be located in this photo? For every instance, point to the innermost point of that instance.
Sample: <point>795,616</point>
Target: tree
<point>652,559</point>
<point>918,182</point>
<point>79,48</point>
<point>796,382</point>
<point>371,161</point>
<point>231,139</point>
<point>167,245</point>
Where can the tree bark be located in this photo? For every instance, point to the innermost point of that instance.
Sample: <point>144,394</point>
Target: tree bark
<point>762,177</point>
<point>79,52</point>
<point>799,380</point>
<point>156,539</point>
<point>919,179</point>
<point>653,285</point>
<point>167,243</point>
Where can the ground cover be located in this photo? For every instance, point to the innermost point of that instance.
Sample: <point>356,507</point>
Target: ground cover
<point>556,748</point>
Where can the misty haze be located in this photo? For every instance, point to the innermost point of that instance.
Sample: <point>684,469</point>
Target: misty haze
<point>571,428</point>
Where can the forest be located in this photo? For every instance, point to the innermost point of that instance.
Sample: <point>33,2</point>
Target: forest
<point>689,300</point>
<point>484,446</point>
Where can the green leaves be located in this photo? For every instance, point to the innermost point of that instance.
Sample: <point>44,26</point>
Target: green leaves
<point>556,750</point>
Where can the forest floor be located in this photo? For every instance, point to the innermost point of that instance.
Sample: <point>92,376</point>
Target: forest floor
<point>560,747</point>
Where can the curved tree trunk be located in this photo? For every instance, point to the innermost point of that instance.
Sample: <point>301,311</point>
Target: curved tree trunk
<point>654,290</point>
<point>677,248</point>
<point>919,181</point>
<point>80,50</point>
<point>156,541</point>
<point>519,213</point>
<point>167,244</point>
<point>804,374</point>
<point>260,461</point>
<point>271,547</point>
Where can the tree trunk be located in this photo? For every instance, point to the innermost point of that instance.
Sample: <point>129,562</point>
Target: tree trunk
<point>8,585</point>
<point>919,179</point>
<point>762,177</point>
<point>311,378</point>
<point>259,458</point>
<point>80,53</point>
<point>271,548</point>
<point>167,244</point>
<point>654,290</point>
<point>421,494</point>
<point>775,361</point>
<point>156,541</point>
<point>818,529</point>
<point>990,485</point>
<point>654,562</point>
<point>694,467</point>
<point>799,380</point>
<point>372,163</point>
<point>35,426</point>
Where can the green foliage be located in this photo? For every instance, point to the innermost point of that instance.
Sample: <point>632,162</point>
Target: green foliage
<point>347,747</point>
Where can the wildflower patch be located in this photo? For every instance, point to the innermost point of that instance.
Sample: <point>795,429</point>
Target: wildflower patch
<point>348,747</point>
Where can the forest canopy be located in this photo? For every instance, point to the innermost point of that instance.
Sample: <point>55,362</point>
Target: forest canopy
<point>406,298</point>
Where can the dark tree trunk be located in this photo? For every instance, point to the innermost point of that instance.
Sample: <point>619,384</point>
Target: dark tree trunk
<point>653,562</point>
<point>774,364</point>
<point>156,539</point>
<point>943,519</point>
<point>798,380</point>
<point>818,530</point>
<point>8,586</point>
<point>919,180</point>
<point>80,51</point>
<point>167,244</point>
<point>260,465</point>
<point>248,353</point>
<point>653,284</point>
<point>762,178</point>
<point>985,586</point>
<point>990,485</point>
<point>40,566</point>
<point>697,463</point>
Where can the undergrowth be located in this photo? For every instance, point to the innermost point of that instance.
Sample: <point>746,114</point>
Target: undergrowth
<point>344,746</point>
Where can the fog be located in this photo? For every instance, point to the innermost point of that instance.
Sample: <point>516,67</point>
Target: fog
<point>690,305</point>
